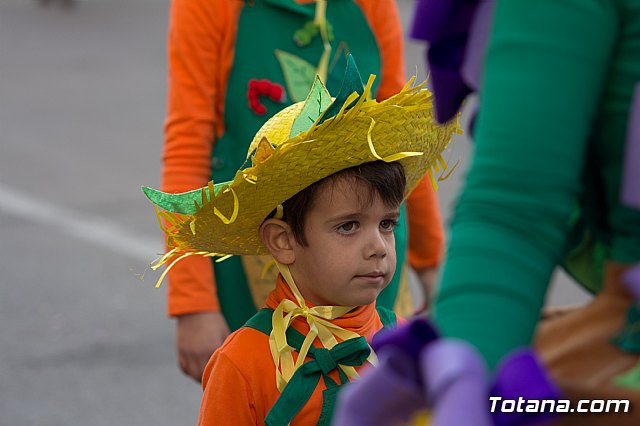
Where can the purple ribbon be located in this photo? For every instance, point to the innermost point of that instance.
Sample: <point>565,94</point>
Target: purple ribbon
<point>457,31</point>
<point>477,43</point>
<point>435,20</point>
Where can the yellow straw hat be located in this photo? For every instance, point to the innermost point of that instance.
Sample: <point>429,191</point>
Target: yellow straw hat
<point>300,145</point>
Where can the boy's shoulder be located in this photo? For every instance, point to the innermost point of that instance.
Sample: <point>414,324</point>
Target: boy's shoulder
<point>240,377</point>
<point>245,344</point>
<point>245,353</point>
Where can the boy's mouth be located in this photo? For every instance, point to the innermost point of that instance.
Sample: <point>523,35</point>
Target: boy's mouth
<point>373,277</point>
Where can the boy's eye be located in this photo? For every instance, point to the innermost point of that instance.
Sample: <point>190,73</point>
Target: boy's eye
<point>388,224</point>
<point>347,228</point>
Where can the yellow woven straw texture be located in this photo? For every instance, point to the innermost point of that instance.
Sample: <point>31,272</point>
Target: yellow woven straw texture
<point>403,123</point>
<point>277,129</point>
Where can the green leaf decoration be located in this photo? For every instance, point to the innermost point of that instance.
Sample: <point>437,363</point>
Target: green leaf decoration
<point>315,104</point>
<point>183,203</point>
<point>352,82</point>
<point>298,75</point>
<point>304,35</point>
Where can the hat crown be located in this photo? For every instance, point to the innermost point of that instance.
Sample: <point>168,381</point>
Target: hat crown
<point>277,129</point>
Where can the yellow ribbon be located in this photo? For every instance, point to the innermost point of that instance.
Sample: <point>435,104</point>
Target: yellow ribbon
<point>390,158</point>
<point>234,214</point>
<point>320,326</point>
<point>164,259</point>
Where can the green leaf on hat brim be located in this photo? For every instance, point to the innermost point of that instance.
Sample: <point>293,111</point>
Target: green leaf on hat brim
<point>183,203</point>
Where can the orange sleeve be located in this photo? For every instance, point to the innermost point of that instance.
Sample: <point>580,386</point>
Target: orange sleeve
<point>200,51</point>
<point>228,396</point>
<point>191,287</point>
<point>384,18</point>
<point>426,236</point>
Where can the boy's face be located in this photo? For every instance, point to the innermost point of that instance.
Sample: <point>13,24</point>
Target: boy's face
<point>350,257</point>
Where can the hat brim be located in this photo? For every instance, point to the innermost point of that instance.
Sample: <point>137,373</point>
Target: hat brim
<point>401,128</point>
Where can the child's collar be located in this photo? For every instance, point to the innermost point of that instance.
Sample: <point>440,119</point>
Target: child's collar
<point>321,326</point>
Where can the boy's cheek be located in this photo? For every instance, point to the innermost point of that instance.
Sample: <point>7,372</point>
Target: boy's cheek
<point>391,253</point>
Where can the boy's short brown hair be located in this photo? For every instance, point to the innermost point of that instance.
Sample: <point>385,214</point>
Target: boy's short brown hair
<point>385,180</point>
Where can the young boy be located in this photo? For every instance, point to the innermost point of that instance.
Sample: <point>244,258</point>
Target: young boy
<point>322,196</point>
<point>336,239</point>
<point>217,63</point>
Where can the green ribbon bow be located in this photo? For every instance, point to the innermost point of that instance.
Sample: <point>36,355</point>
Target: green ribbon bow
<point>352,352</point>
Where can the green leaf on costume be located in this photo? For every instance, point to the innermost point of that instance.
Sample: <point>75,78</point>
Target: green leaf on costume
<point>317,101</point>
<point>298,75</point>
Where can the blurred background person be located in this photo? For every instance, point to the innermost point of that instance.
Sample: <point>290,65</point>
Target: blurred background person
<point>554,181</point>
<point>231,65</point>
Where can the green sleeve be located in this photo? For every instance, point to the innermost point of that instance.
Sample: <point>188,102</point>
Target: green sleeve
<point>545,69</point>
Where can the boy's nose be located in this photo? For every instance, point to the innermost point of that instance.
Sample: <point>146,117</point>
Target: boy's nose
<point>376,245</point>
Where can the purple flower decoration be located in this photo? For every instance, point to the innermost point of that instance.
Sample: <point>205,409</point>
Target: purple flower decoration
<point>456,384</point>
<point>521,377</point>
<point>419,370</point>
<point>386,395</point>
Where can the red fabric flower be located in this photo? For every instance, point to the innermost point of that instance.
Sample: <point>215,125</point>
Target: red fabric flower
<point>258,88</point>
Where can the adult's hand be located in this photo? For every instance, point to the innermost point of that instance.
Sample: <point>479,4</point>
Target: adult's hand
<point>197,337</point>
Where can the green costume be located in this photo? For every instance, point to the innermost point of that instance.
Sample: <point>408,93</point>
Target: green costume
<point>550,133</point>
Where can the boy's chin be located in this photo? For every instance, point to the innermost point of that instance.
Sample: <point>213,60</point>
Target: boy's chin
<point>364,299</point>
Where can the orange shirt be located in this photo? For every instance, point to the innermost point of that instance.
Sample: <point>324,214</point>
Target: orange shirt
<point>200,52</point>
<point>240,383</point>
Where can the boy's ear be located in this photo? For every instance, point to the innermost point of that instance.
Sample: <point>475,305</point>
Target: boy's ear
<point>276,235</point>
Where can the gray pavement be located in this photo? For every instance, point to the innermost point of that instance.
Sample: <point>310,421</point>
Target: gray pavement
<point>82,340</point>
<point>82,96</point>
